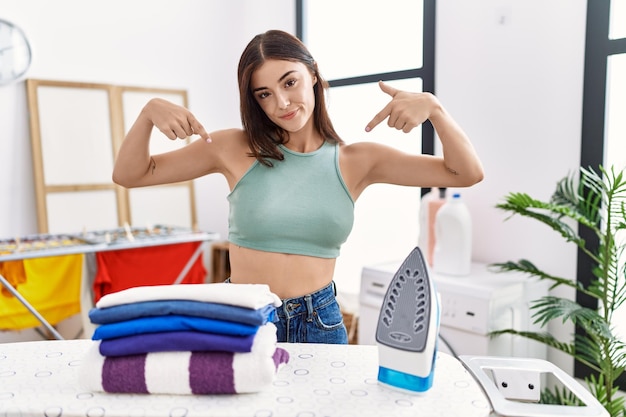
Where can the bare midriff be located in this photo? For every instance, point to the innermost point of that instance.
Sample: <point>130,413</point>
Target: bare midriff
<point>287,275</point>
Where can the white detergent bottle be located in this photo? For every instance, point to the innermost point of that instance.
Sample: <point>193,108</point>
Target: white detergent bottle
<point>453,238</point>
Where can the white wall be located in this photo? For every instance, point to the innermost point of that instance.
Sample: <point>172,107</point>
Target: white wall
<point>183,44</point>
<point>187,44</point>
<point>510,71</point>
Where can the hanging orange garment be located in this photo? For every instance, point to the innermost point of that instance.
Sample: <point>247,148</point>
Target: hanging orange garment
<point>52,287</point>
<point>14,272</point>
<point>155,265</point>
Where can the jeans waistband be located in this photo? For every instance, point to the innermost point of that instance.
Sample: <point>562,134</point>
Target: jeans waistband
<point>306,304</point>
<point>314,295</point>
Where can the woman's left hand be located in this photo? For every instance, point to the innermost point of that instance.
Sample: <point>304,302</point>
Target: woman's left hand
<point>405,111</point>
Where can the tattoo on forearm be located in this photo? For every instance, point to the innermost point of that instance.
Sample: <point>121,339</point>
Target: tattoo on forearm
<point>152,165</point>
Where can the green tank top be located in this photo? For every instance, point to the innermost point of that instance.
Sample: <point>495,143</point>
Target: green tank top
<point>301,205</point>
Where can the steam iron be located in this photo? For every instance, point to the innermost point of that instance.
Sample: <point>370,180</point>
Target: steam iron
<point>408,328</point>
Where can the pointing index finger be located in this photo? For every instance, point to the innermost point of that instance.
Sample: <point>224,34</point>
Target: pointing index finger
<point>197,127</point>
<point>386,111</point>
<point>388,89</point>
<point>380,116</point>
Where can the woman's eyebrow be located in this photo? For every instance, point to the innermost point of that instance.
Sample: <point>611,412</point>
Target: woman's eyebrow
<point>285,75</point>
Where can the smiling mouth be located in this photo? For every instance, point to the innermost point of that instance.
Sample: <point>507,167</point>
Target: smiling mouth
<point>289,115</point>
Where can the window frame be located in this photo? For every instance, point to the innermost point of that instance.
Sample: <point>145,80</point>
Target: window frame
<point>426,73</point>
<point>598,48</point>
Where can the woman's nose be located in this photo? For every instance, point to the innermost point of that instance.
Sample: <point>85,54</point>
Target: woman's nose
<point>283,101</point>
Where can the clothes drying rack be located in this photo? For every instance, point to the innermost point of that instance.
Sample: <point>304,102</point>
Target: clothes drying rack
<point>101,241</point>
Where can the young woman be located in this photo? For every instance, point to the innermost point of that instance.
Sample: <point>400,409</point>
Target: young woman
<point>293,180</point>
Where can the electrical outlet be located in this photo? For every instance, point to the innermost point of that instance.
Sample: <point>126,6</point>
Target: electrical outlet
<point>518,385</point>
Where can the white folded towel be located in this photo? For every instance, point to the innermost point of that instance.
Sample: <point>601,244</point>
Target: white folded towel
<point>243,295</point>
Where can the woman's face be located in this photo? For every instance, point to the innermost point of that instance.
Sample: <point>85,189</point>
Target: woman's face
<point>284,90</point>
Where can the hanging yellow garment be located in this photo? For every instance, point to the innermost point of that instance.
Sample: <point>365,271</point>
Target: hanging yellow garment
<point>52,287</point>
<point>14,272</point>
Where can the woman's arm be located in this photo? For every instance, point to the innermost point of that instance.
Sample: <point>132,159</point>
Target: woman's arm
<point>460,165</point>
<point>135,167</point>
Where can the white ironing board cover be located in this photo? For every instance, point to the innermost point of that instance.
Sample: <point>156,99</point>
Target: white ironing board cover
<point>41,379</point>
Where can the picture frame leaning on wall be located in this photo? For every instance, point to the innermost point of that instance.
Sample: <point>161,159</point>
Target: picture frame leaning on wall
<point>76,130</point>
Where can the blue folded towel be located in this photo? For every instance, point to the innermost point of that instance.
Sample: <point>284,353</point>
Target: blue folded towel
<point>219,311</point>
<point>171,323</point>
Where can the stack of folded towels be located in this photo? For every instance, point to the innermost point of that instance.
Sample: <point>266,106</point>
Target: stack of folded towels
<point>184,339</point>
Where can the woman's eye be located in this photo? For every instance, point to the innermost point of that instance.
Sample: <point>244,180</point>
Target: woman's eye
<point>290,83</point>
<point>263,95</point>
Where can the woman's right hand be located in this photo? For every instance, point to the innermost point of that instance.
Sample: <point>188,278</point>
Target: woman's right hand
<point>135,166</point>
<point>172,120</point>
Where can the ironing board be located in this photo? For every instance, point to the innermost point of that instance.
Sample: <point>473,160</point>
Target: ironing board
<point>99,244</point>
<point>41,378</point>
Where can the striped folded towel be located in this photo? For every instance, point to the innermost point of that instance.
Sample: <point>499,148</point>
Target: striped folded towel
<point>181,372</point>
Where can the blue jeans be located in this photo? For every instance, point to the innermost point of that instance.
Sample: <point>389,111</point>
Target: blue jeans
<point>312,318</point>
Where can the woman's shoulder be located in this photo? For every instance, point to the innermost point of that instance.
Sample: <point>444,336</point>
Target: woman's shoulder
<point>231,148</point>
<point>359,156</point>
<point>361,149</point>
<point>231,140</point>
<point>366,155</point>
<point>232,134</point>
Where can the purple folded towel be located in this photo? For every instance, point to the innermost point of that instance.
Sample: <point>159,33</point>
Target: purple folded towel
<point>182,372</point>
<point>175,341</point>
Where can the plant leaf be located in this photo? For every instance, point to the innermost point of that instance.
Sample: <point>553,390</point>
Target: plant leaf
<point>527,267</point>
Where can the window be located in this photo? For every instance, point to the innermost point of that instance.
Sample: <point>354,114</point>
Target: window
<point>604,104</point>
<point>356,45</point>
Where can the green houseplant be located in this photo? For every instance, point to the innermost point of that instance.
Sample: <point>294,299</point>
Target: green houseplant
<point>596,201</point>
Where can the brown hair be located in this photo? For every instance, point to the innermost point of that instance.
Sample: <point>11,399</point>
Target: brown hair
<point>265,136</point>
